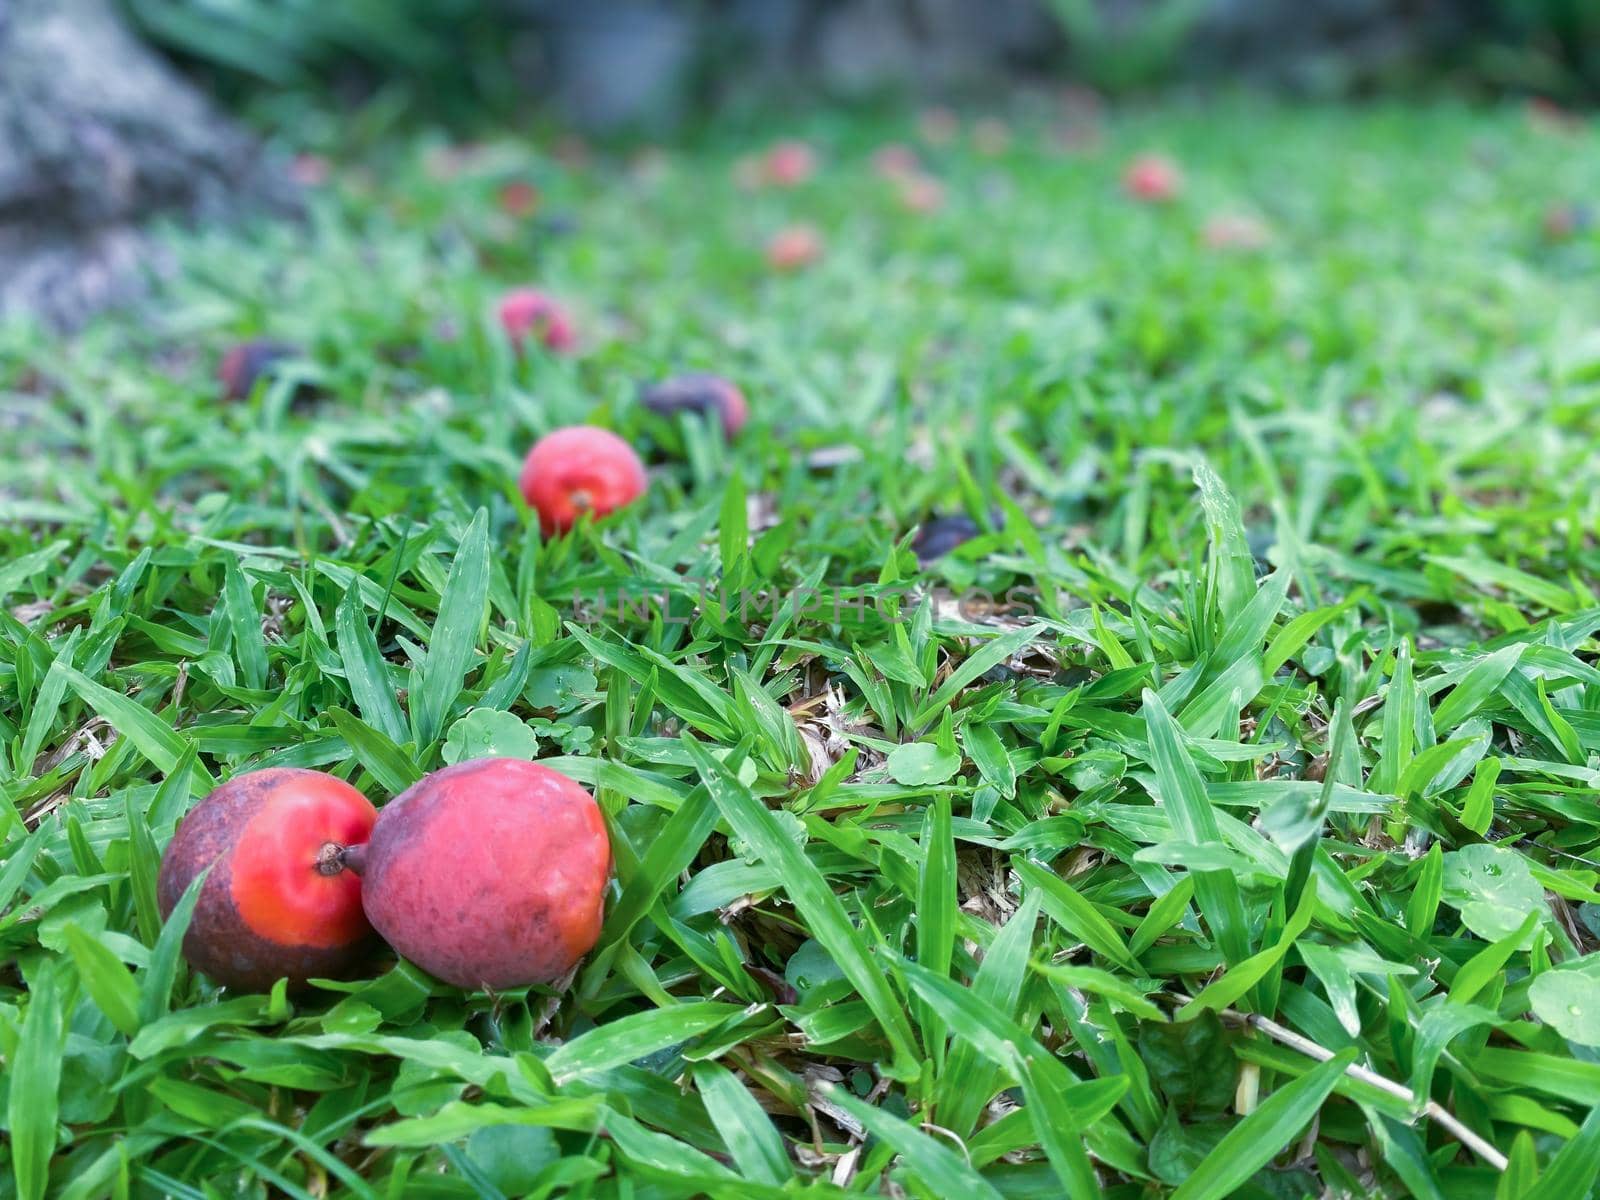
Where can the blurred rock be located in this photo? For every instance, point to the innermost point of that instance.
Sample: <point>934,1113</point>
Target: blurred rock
<point>97,136</point>
<point>622,62</point>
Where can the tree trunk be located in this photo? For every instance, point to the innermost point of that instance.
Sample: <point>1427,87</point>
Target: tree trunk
<point>98,136</point>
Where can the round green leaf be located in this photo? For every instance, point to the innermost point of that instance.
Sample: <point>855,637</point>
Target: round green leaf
<point>922,763</point>
<point>1569,1002</point>
<point>1492,888</point>
<point>489,733</point>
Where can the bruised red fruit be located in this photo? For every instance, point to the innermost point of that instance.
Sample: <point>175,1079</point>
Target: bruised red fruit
<point>526,312</point>
<point>576,470</point>
<point>247,363</point>
<point>708,395</point>
<point>489,874</point>
<point>1152,177</point>
<point>279,900</point>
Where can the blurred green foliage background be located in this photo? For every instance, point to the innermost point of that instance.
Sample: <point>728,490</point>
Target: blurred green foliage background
<point>462,59</point>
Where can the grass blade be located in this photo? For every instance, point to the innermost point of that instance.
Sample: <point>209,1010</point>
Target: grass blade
<point>1183,795</point>
<point>455,633</point>
<point>1256,1140</point>
<point>939,1168</point>
<point>825,916</point>
<point>35,1083</point>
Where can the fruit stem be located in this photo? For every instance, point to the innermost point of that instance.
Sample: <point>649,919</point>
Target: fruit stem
<point>334,858</point>
<point>354,858</point>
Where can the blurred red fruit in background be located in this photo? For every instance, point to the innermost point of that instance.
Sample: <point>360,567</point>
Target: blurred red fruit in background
<point>795,247</point>
<point>1152,177</point>
<point>526,312</point>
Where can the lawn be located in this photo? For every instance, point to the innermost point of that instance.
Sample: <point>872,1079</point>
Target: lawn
<point>1259,726</point>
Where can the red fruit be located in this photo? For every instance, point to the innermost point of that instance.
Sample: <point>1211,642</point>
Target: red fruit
<point>789,164</point>
<point>895,160</point>
<point>279,900</point>
<point>1235,231</point>
<point>991,136</point>
<point>489,874</point>
<point>699,393</point>
<point>526,311</point>
<point>518,198</point>
<point>248,362</point>
<point>309,170</point>
<point>921,194</point>
<point>1152,177</point>
<point>795,247</point>
<point>938,126</point>
<point>576,470</point>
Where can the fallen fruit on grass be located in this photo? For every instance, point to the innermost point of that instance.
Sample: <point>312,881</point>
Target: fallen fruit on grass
<point>940,535</point>
<point>576,470</point>
<point>518,198</point>
<point>279,900</point>
<point>991,136</point>
<point>1562,221</point>
<point>489,874</point>
<point>1153,177</point>
<point>528,312</point>
<point>788,164</point>
<point>921,194</point>
<point>246,364</point>
<point>697,392</point>
<point>1235,231</point>
<point>795,247</point>
<point>310,170</point>
<point>895,160</point>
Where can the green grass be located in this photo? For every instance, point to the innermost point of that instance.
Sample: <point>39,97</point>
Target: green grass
<point>1278,730</point>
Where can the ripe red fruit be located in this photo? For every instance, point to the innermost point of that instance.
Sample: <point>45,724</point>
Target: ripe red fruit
<point>279,901</point>
<point>310,170</point>
<point>249,362</point>
<point>489,874</point>
<point>921,194</point>
<point>788,164</point>
<point>795,247</point>
<point>576,470</point>
<point>527,311</point>
<point>1235,231</point>
<point>1152,177</point>
<point>518,198</point>
<point>699,393</point>
<point>895,160</point>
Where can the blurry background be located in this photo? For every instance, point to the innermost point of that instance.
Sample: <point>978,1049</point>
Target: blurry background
<point>611,63</point>
<point>115,111</point>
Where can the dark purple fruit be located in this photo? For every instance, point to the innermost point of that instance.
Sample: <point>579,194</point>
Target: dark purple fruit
<point>707,395</point>
<point>248,363</point>
<point>940,535</point>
